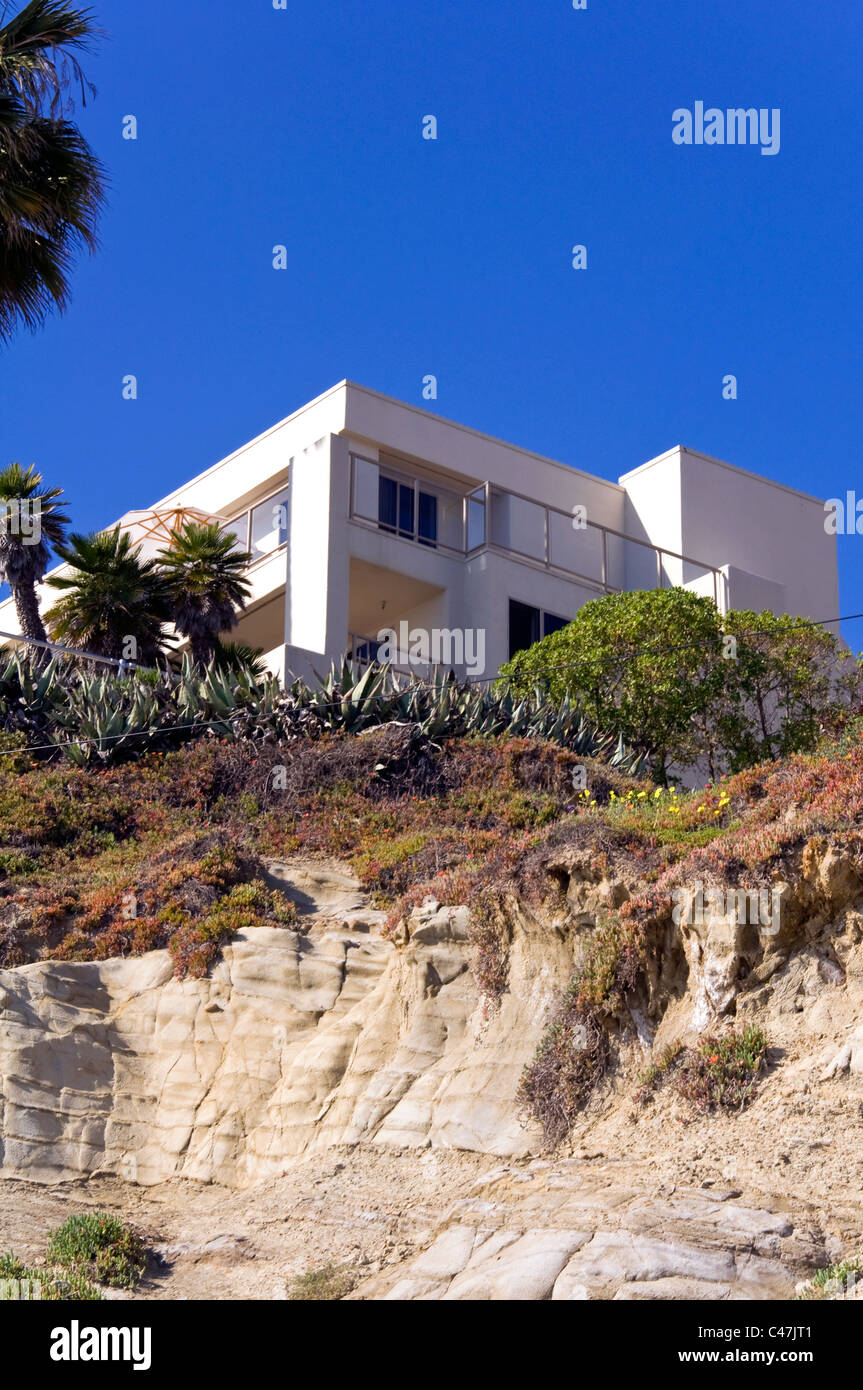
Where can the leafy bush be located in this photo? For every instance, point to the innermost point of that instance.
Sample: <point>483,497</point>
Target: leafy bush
<point>721,1073</point>
<point>671,674</point>
<point>12,862</point>
<point>12,744</point>
<point>100,1244</point>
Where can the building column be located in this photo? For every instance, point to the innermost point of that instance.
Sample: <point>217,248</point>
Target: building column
<point>316,590</point>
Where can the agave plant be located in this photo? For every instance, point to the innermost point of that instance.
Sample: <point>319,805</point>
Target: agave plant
<point>28,693</point>
<point>104,716</point>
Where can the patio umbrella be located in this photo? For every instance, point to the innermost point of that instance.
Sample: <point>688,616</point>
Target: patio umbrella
<point>156,528</point>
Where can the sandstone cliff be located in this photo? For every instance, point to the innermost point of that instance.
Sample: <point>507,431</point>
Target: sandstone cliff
<point>335,1041</point>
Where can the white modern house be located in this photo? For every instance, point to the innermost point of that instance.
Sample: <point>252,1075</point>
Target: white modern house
<point>365,514</point>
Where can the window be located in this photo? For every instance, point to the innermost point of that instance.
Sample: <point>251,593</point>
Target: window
<point>365,651</point>
<point>427,519</point>
<point>523,626</point>
<point>239,529</point>
<point>269,527</point>
<point>476,520</point>
<point>395,506</point>
<point>528,624</point>
<point>552,623</point>
<point>396,511</point>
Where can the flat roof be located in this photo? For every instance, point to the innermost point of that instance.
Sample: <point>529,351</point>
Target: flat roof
<point>721,463</point>
<point>569,468</point>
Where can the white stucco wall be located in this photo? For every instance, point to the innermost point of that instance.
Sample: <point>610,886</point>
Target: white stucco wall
<point>725,517</point>
<point>417,434</point>
<point>768,539</point>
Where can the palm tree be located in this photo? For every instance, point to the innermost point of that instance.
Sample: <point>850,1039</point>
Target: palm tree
<point>204,573</point>
<point>236,658</point>
<point>31,520</point>
<point>51,183</point>
<point>110,596</point>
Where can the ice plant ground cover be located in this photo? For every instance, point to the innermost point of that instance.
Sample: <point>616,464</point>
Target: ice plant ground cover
<point>169,850</point>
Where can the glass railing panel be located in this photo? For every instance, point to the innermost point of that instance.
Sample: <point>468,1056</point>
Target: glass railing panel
<point>701,579</point>
<point>269,525</point>
<point>475,519</point>
<point>366,498</point>
<point>641,568</point>
<point>449,519</point>
<point>578,550</point>
<point>239,529</point>
<point>615,561</point>
<point>518,525</point>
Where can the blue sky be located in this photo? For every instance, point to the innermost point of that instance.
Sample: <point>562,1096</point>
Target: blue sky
<point>405,256</point>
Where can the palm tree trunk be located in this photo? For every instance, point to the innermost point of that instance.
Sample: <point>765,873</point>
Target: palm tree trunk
<point>202,649</point>
<point>27,608</point>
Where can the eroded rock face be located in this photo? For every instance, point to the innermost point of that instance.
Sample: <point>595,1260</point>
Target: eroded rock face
<point>573,1231</point>
<point>333,1035</point>
<point>761,958</point>
<point>334,1041</point>
<point>297,1040</point>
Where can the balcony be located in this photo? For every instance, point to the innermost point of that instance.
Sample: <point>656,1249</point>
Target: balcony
<point>493,519</point>
<point>262,529</point>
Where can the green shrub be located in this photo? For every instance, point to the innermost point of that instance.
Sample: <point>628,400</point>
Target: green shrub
<point>719,1073</point>
<point>12,758</point>
<point>13,863</point>
<point>18,1281</point>
<point>653,665</point>
<point>832,1282</point>
<point>101,1244</point>
<point>122,1263</point>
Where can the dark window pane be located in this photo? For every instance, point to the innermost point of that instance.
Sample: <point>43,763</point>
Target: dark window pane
<point>427,520</point>
<point>523,626</point>
<point>551,623</point>
<point>406,509</point>
<point>365,651</point>
<point>387,503</point>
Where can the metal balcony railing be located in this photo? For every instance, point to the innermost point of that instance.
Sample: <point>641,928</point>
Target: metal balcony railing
<point>491,518</point>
